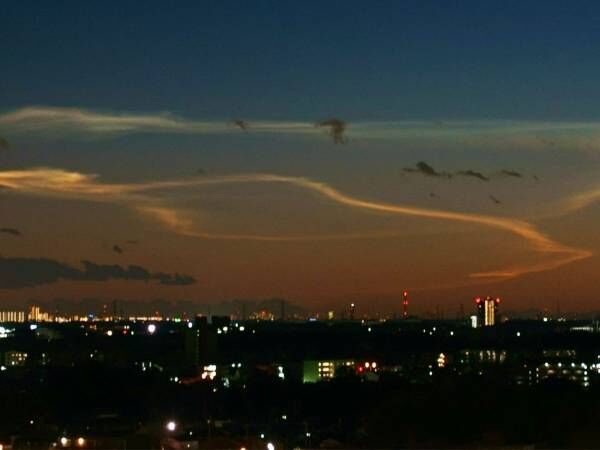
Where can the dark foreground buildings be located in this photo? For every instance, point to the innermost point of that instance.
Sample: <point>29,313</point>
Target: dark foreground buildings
<point>247,384</point>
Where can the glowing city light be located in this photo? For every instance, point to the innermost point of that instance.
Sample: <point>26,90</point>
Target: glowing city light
<point>151,328</point>
<point>171,425</point>
<point>441,361</point>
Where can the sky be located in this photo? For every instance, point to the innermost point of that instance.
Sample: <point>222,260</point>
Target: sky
<point>321,152</point>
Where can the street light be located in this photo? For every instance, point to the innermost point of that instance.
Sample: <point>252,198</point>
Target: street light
<point>171,425</point>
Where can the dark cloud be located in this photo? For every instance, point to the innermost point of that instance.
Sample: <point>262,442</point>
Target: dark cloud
<point>200,171</point>
<point>176,279</point>
<point>433,195</point>
<point>243,125</point>
<point>425,169</point>
<point>511,173</point>
<point>336,127</point>
<point>472,173</point>
<point>117,249</point>
<point>4,145</point>
<point>18,273</point>
<point>495,200</point>
<point>12,231</point>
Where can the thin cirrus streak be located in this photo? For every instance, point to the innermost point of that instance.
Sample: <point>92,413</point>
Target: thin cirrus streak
<point>61,121</point>
<point>580,201</point>
<point>77,120</point>
<point>176,221</point>
<point>573,203</point>
<point>56,182</point>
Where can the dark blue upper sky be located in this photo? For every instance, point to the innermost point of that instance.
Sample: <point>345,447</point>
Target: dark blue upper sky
<point>276,59</point>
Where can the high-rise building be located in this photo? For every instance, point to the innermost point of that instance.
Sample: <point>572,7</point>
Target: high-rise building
<point>487,311</point>
<point>574,372</point>
<point>473,321</point>
<point>35,314</point>
<point>12,316</point>
<point>15,358</point>
<point>325,370</point>
<point>405,305</point>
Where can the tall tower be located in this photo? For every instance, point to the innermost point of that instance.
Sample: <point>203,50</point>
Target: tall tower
<point>405,305</point>
<point>352,310</point>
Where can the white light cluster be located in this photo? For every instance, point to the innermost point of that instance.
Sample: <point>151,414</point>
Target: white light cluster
<point>209,372</point>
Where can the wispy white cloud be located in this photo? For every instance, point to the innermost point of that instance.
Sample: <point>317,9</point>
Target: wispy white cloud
<point>41,119</point>
<point>486,134</point>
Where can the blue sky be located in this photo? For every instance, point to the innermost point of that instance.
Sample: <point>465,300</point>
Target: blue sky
<point>377,60</point>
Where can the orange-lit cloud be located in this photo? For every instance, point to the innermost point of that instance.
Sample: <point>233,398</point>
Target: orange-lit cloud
<point>580,201</point>
<point>138,196</point>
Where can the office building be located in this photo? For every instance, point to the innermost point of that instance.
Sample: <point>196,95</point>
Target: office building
<point>487,311</point>
<point>12,316</point>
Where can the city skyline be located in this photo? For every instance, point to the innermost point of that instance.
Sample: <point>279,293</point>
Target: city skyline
<point>423,148</point>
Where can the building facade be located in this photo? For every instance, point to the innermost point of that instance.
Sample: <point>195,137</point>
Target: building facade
<point>487,311</point>
<point>12,316</point>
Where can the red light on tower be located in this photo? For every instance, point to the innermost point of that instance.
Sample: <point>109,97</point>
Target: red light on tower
<point>478,300</point>
<point>405,305</point>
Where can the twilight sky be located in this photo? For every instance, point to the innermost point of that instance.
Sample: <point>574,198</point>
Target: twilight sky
<point>469,163</point>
